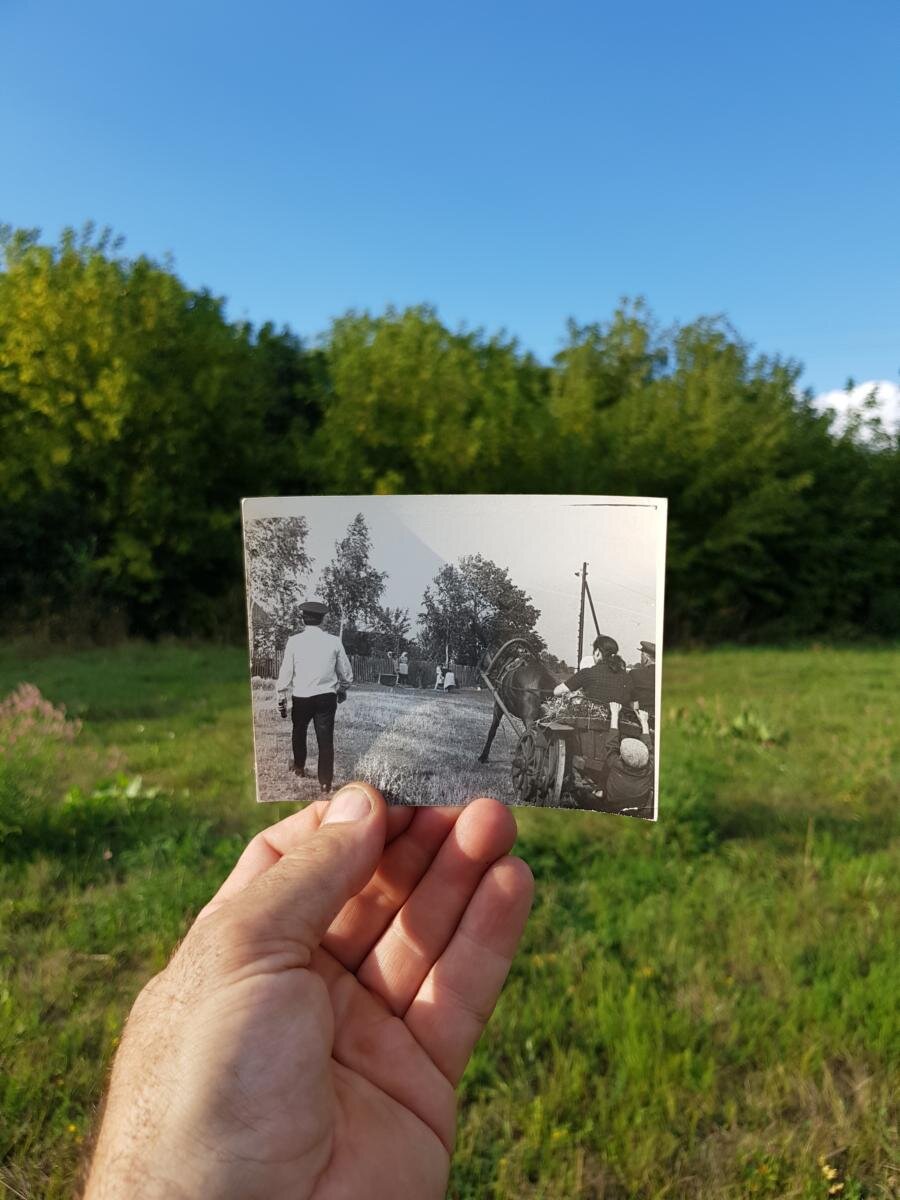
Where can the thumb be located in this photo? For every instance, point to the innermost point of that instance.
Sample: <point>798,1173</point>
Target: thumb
<point>293,903</point>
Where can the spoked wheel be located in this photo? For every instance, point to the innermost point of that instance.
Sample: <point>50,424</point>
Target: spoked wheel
<point>525,768</point>
<point>539,768</point>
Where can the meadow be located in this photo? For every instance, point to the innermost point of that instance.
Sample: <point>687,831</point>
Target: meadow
<point>706,1007</point>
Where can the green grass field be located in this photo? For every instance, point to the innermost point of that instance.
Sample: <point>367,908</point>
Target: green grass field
<point>702,1008</point>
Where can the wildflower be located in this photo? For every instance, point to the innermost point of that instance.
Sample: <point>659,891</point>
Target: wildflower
<point>70,1128</point>
<point>25,713</point>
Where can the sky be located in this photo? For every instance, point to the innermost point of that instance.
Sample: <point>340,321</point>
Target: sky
<point>541,540</point>
<point>513,164</point>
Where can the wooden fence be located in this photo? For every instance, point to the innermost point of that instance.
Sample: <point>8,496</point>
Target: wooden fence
<point>368,668</point>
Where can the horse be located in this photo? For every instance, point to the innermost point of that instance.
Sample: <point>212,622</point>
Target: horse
<point>521,681</point>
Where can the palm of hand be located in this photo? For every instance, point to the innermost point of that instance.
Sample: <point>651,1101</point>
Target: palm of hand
<point>336,1098</point>
<point>335,1067</point>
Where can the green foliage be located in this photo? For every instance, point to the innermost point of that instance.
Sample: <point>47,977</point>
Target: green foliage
<point>416,408</point>
<point>133,416</point>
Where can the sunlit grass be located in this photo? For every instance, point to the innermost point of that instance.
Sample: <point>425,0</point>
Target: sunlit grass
<point>703,1008</point>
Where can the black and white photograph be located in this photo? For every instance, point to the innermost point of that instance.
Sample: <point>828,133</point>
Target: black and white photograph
<point>446,647</point>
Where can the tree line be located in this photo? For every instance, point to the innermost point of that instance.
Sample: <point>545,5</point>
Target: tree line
<point>468,607</point>
<point>134,415</point>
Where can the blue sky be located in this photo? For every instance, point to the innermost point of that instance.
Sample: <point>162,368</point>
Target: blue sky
<point>513,164</point>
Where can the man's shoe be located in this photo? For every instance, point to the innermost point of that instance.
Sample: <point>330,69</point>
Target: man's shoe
<point>325,788</point>
<point>300,772</point>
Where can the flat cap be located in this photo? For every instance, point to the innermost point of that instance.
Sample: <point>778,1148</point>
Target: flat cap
<point>648,647</point>
<point>315,608</point>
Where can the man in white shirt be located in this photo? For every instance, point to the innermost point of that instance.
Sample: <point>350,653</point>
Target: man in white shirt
<point>315,673</point>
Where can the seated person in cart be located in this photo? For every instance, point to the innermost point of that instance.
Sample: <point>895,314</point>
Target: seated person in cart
<point>605,681</point>
<point>642,682</point>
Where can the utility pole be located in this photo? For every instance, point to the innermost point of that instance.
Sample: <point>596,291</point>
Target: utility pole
<point>591,603</point>
<point>581,615</point>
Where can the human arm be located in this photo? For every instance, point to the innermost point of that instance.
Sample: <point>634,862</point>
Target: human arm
<point>572,684</point>
<point>304,1042</point>
<point>343,669</point>
<point>646,736</point>
<point>614,709</point>
<point>285,680</point>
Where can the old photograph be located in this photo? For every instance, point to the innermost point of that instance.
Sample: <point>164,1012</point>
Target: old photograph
<point>447,647</point>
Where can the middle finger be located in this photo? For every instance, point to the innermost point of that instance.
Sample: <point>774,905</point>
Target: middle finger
<point>366,916</point>
<point>402,957</point>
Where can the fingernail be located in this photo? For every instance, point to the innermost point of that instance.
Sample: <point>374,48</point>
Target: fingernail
<point>350,804</point>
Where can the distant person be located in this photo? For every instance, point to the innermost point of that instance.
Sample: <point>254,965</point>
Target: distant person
<point>605,680</point>
<point>449,679</point>
<point>629,767</point>
<point>403,669</point>
<point>642,682</point>
<point>438,678</point>
<point>315,673</point>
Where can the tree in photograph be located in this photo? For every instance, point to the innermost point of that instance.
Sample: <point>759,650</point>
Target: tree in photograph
<point>278,569</point>
<point>443,621</point>
<point>390,631</point>
<point>473,606</point>
<point>351,586</point>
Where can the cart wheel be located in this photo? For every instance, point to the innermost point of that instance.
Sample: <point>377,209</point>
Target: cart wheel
<point>525,768</point>
<point>551,759</point>
<point>558,772</point>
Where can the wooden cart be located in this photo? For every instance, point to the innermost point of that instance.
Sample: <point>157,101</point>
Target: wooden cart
<point>560,763</point>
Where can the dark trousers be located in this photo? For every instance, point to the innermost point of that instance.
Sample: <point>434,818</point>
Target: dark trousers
<point>320,710</point>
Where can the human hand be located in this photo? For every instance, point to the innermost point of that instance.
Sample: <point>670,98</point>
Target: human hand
<point>614,709</point>
<point>282,708</point>
<point>644,718</point>
<point>307,1036</point>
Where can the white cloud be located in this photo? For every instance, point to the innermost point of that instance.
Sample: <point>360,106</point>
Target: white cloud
<point>887,396</point>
